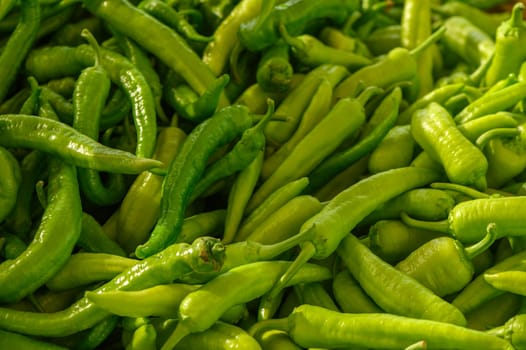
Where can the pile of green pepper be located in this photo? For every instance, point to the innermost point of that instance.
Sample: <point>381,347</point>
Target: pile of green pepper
<point>262,174</point>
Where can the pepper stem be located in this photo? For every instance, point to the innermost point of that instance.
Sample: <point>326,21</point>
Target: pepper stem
<point>439,226</point>
<point>419,345</point>
<point>483,139</point>
<point>178,334</point>
<point>368,93</point>
<point>271,250</point>
<point>481,246</point>
<point>266,117</point>
<point>86,34</point>
<point>291,40</point>
<point>307,251</point>
<point>41,193</point>
<point>468,191</point>
<point>499,331</point>
<point>280,324</point>
<point>430,40</point>
<point>516,15</point>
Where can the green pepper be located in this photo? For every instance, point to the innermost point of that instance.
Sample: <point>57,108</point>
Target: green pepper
<point>506,159</point>
<point>512,331</point>
<point>394,151</point>
<point>275,71</point>
<point>392,240</point>
<point>10,183</point>
<point>468,41</point>
<point>312,52</point>
<point>18,45</point>
<point>443,264</point>
<point>510,44</point>
<point>313,326</point>
<point>463,162</point>
<point>297,16</point>
<point>397,66</point>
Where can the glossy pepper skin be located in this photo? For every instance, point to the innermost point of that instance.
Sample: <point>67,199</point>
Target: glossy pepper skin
<point>259,33</point>
<point>54,240</point>
<point>324,232</point>
<point>19,44</point>
<point>59,139</point>
<point>514,330</point>
<point>313,326</point>
<point>169,46</point>
<point>443,264</point>
<point>205,254</point>
<point>393,290</point>
<point>11,180</point>
<point>242,284</point>
<point>510,47</point>
<point>186,170</point>
<point>436,132</point>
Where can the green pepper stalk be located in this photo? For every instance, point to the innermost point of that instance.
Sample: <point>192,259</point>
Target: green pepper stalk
<point>316,327</point>
<point>510,47</point>
<point>192,106</point>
